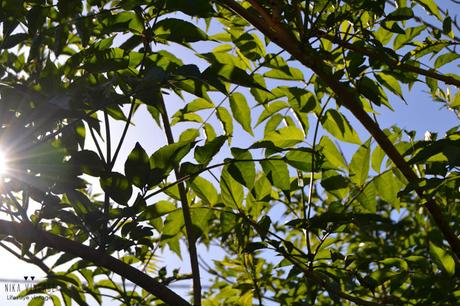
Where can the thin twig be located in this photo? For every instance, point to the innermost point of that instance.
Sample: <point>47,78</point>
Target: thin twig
<point>186,213</point>
<point>350,98</point>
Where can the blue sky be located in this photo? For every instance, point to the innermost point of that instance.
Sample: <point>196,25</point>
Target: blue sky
<point>420,114</point>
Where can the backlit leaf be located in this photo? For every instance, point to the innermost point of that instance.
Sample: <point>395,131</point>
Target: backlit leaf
<point>336,124</point>
<point>277,173</point>
<point>226,119</point>
<point>232,192</point>
<point>443,258</point>
<point>179,31</point>
<point>241,111</point>
<point>359,166</point>
<point>117,186</point>
<point>137,168</point>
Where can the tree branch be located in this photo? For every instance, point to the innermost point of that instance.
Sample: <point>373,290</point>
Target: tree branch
<point>345,96</point>
<point>26,232</point>
<point>391,62</point>
<point>186,213</point>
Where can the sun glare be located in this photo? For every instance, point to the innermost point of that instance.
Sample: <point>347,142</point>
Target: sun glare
<point>3,163</point>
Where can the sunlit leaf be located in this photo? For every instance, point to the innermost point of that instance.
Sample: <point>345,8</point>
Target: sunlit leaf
<point>359,166</point>
<point>336,124</point>
<point>443,258</point>
<point>241,111</point>
<point>231,191</point>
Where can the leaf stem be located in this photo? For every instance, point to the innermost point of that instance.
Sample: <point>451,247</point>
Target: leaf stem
<point>186,213</point>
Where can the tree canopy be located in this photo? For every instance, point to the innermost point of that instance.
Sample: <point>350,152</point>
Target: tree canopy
<point>252,161</point>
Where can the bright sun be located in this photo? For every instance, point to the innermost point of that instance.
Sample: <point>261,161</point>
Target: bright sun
<point>2,163</point>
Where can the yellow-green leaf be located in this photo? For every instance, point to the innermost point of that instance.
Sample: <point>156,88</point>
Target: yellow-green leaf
<point>359,166</point>
<point>241,111</point>
<point>443,258</point>
<point>336,124</point>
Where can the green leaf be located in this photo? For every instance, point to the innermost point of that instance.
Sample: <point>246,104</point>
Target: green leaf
<point>336,124</point>
<point>224,59</point>
<point>241,111</point>
<point>106,60</point>
<point>117,186</point>
<point>455,102</point>
<point>88,162</point>
<point>263,226</point>
<point>189,117</point>
<point>271,109</point>
<point>232,74</point>
<point>301,159</point>
<point>196,105</point>
<point>122,22</point>
<point>204,154</point>
<point>377,157</point>
<point>232,192</point>
<point>36,301</point>
<point>226,119</point>
<point>272,123</point>
<point>205,190</point>
<point>13,40</point>
<point>243,172</point>
<point>277,173</point>
<point>389,82</point>
<point>157,210</point>
<point>281,69</point>
<point>209,132</point>
<point>335,183</point>
<point>250,46</point>
<point>388,187</point>
<point>285,137</point>
<point>179,31</point>
<point>254,246</point>
<point>368,198</point>
<point>371,90</point>
<point>262,189</point>
<point>402,13</point>
<point>137,166</point>
<point>290,74</point>
<point>201,217</point>
<point>447,26</point>
<point>228,221</point>
<point>173,224</point>
<point>396,262</point>
<point>445,59</point>
<point>166,158</point>
<point>69,8</point>
<point>198,8</point>
<point>443,258</point>
<point>411,33</point>
<point>189,135</point>
<point>431,7</point>
<point>359,166</point>
<point>331,153</point>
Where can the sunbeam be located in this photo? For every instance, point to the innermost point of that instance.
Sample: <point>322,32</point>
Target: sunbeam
<point>3,163</point>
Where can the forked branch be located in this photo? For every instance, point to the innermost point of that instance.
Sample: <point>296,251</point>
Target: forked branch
<point>27,232</point>
<point>344,95</point>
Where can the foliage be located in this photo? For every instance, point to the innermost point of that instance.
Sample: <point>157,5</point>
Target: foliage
<point>256,165</point>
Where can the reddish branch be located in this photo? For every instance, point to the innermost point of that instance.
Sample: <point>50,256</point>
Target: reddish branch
<point>344,95</point>
<point>391,62</point>
<point>26,232</point>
